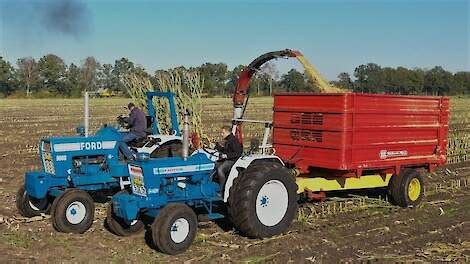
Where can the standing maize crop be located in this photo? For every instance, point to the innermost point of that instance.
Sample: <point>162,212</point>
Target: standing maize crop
<point>187,87</point>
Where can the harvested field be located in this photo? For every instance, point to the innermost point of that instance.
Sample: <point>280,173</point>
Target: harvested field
<point>359,226</point>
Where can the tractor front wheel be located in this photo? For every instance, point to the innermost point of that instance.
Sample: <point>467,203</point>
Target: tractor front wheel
<point>73,211</point>
<point>120,227</point>
<point>263,200</point>
<point>407,188</point>
<point>174,228</point>
<point>29,206</point>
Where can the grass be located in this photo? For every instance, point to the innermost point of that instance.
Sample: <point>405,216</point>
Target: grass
<point>19,239</point>
<point>259,259</point>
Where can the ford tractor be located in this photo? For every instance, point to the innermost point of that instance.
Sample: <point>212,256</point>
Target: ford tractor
<point>174,192</point>
<point>75,168</point>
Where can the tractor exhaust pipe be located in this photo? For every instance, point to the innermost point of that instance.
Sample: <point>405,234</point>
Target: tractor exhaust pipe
<point>186,136</point>
<point>86,120</point>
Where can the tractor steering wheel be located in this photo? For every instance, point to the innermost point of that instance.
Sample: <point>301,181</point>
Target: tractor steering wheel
<point>211,152</point>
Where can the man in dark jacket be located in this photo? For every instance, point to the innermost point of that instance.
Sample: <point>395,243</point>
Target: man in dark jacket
<point>231,150</point>
<point>137,124</point>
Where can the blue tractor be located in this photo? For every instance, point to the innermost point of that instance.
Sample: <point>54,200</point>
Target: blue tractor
<point>259,196</point>
<point>75,168</point>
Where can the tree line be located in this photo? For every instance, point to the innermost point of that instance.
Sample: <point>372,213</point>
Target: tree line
<point>51,76</point>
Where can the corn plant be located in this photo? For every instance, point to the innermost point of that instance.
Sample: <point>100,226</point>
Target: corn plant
<point>187,87</point>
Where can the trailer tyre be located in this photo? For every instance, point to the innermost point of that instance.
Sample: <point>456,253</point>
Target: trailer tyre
<point>263,200</point>
<point>73,211</point>
<point>174,228</point>
<point>118,226</point>
<point>29,206</point>
<point>407,188</point>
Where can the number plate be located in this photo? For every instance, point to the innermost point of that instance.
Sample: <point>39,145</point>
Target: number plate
<point>137,180</point>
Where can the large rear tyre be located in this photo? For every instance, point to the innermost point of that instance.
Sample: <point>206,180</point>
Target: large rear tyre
<point>73,211</point>
<point>120,227</point>
<point>174,228</point>
<point>29,206</point>
<point>263,200</point>
<point>407,188</point>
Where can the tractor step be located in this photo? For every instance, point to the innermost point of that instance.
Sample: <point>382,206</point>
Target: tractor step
<point>209,217</point>
<point>214,216</point>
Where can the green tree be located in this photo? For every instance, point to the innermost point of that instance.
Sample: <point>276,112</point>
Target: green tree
<point>73,81</point>
<point>7,78</point>
<point>437,81</point>
<point>293,81</point>
<point>461,83</point>
<point>215,77</point>
<point>344,81</point>
<point>370,78</point>
<point>122,67</point>
<point>51,73</point>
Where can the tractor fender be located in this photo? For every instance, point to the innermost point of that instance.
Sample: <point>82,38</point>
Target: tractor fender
<point>38,184</point>
<point>241,164</point>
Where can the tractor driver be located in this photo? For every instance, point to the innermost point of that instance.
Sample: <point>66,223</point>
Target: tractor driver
<point>137,124</point>
<point>230,151</point>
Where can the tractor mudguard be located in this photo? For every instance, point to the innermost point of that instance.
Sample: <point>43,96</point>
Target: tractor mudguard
<point>119,169</point>
<point>38,184</point>
<point>126,206</point>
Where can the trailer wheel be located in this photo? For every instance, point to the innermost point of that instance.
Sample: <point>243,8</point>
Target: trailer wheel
<point>118,226</point>
<point>407,188</point>
<point>73,211</point>
<point>29,206</point>
<point>263,200</point>
<point>174,228</point>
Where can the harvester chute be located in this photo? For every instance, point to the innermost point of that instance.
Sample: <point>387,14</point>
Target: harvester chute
<point>241,93</point>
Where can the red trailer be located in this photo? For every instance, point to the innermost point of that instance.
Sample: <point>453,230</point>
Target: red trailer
<point>348,135</point>
<point>342,141</point>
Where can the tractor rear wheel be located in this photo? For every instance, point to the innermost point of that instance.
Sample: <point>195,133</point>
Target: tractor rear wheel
<point>29,206</point>
<point>120,227</point>
<point>174,228</point>
<point>263,200</point>
<point>73,211</point>
<point>407,188</point>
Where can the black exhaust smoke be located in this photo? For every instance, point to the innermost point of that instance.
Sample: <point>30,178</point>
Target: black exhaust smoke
<point>66,16</point>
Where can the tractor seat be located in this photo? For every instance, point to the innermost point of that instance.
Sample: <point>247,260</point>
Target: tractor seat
<point>150,120</point>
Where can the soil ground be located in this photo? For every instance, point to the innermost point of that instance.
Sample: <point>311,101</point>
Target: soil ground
<point>348,227</point>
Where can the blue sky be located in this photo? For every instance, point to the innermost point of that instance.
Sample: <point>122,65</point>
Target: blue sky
<point>335,35</point>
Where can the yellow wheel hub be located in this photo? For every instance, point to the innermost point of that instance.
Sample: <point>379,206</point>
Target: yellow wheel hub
<point>414,189</point>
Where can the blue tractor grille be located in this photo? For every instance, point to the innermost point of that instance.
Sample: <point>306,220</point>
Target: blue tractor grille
<point>47,159</point>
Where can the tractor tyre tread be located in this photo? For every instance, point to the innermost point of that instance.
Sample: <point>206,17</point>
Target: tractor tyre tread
<point>23,206</point>
<point>163,222</point>
<point>59,207</point>
<point>243,194</point>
